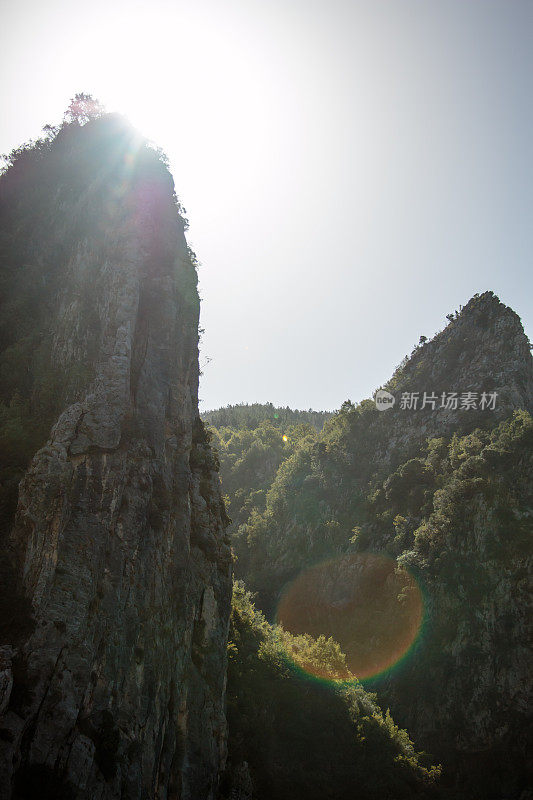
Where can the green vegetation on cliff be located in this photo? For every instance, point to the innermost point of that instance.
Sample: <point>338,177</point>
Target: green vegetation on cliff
<point>300,738</point>
<point>445,496</point>
<point>250,459</point>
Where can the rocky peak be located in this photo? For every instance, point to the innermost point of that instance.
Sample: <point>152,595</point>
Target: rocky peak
<point>475,372</point>
<point>483,348</point>
<point>112,679</point>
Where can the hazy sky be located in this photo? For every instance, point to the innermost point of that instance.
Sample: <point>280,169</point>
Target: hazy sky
<point>352,171</point>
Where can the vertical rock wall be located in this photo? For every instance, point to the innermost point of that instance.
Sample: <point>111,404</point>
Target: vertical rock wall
<point>112,685</point>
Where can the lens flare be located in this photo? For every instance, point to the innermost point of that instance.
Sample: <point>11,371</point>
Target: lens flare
<point>368,604</point>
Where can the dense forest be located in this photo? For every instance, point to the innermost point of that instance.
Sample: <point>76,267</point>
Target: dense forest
<point>446,500</point>
<point>290,736</point>
<point>249,415</point>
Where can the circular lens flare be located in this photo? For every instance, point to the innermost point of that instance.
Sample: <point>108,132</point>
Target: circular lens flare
<point>372,607</point>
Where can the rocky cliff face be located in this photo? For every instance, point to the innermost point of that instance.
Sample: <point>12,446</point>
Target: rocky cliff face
<point>482,351</point>
<point>113,671</point>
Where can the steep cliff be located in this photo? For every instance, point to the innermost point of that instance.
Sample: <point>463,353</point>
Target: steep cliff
<point>116,569</point>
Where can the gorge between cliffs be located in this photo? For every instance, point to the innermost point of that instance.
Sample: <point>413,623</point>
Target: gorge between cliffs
<point>146,550</point>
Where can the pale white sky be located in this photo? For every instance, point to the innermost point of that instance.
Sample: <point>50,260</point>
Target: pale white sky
<point>352,171</point>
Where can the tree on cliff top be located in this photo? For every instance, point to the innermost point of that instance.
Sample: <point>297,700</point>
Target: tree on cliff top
<point>82,108</point>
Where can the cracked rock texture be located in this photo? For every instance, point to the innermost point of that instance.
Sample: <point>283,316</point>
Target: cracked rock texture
<point>112,677</point>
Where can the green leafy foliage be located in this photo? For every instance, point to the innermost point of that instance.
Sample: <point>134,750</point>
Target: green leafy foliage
<point>302,738</point>
<point>456,513</point>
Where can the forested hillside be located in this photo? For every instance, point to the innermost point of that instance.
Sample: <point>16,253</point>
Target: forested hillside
<point>443,493</point>
<point>294,737</point>
<point>248,416</point>
<point>291,736</point>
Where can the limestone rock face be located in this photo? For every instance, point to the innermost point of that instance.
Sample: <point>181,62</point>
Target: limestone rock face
<point>482,350</point>
<point>113,684</point>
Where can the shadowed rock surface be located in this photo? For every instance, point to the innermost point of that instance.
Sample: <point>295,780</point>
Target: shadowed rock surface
<point>116,570</point>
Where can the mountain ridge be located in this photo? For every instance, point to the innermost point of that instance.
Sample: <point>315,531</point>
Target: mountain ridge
<point>446,495</point>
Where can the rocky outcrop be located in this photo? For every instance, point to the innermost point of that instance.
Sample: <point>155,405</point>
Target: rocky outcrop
<point>482,352</point>
<point>112,680</point>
